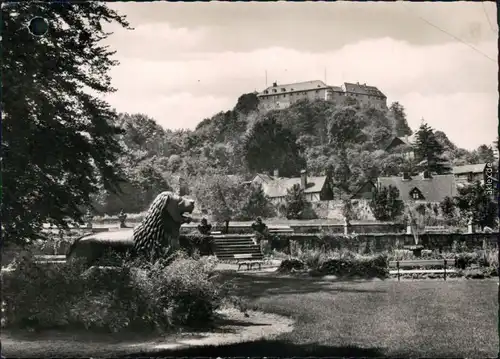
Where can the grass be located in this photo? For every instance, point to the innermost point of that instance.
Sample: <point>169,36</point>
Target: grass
<point>456,318</point>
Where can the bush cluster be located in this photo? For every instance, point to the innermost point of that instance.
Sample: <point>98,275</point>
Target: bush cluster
<point>181,292</point>
<point>339,263</point>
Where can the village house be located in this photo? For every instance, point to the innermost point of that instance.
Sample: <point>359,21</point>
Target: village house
<point>316,188</point>
<point>278,97</point>
<point>401,142</point>
<point>469,173</point>
<point>421,188</point>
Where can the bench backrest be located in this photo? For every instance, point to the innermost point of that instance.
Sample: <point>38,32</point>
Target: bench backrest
<point>242,256</point>
<point>49,257</point>
<point>422,262</point>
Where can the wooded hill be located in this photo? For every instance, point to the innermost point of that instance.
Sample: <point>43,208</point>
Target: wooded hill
<point>347,141</point>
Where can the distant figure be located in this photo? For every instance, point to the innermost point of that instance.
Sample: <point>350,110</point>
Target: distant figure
<point>204,227</point>
<point>122,217</point>
<point>259,226</point>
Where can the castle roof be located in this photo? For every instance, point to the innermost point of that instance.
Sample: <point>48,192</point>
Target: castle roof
<point>363,89</point>
<point>294,87</point>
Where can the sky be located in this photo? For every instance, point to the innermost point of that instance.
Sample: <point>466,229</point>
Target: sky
<point>185,62</point>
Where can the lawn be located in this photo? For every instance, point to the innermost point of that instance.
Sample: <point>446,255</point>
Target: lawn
<point>426,318</point>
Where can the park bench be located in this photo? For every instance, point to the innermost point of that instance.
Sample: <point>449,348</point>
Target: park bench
<point>50,259</point>
<point>422,263</point>
<point>247,261</point>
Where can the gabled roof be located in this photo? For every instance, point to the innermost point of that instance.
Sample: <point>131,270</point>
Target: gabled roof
<point>298,86</point>
<point>363,89</point>
<point>277,187</point>
<point>477,168</point>
<point>397,141</point>
<point>265,178</point>
<point>434,189</point>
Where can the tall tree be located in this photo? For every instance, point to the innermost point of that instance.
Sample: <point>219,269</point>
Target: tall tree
<point>476,204</point>
<point>295,202</point>
<point>398,114</point>
<point>59,140</point>
<point>344,131</point>
<point>257,204</point>
<point>429,152</point>
<point>385,203</point>
<point>268,146</point>
<point>222,195</point>
<point>486,154</point>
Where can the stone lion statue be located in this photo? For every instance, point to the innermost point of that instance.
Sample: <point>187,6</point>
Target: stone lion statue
<point>156,236</point>
<point>159,232</point>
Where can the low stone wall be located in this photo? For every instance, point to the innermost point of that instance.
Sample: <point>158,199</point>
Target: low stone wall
<point>355,227</point>
<point>376,243</point>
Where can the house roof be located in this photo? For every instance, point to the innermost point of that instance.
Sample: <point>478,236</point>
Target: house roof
<point>433,190</point>
<point>477,168</point>
<point>265,178</point>
<point>363,89</point>
<point>277,187</point>
<point>397,141</point>
<point>294,87</point>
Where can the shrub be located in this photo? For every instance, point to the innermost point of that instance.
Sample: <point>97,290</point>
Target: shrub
<point>291,264</point>
<point>355,265</point>
<point>187,289</point>
<point>177,292</point>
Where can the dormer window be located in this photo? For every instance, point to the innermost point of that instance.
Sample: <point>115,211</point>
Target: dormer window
<point>415,194</point>
<point>274,90</point>
<point>283,90</point>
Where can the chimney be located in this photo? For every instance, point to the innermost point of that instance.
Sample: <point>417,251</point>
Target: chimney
<point>426,174</point>
<point>276,173</point>
<point>275,84</point>
<point>303,179</point>
<point>406,176</point>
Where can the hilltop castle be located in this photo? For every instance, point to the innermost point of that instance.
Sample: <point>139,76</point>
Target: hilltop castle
<point>281,96</point>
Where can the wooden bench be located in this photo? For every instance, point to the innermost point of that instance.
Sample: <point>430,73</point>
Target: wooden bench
<point>49,259</point>
<point>422,263</point>
<point>248,263</point>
